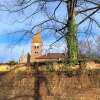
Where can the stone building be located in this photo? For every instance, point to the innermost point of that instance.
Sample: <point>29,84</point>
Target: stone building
<point>23,57</point>
<point>37,46</point>
<point>37,55</point>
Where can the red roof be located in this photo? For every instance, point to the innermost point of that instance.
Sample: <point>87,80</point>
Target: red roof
<point>52,56</point>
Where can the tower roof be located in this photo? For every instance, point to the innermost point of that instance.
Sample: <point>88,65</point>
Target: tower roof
<point>37,38</point>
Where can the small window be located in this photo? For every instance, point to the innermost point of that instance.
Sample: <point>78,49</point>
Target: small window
<point>37,46</point>
<point>36,52</point>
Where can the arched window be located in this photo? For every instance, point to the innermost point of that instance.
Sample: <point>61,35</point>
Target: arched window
<point>37,47</point>
<point>36,52</point>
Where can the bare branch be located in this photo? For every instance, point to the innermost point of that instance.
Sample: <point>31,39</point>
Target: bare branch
<point>92,2</point>
<point>89,9</point>
<point>57,8</point>
<point>97,23</point>
<point>89,16</point>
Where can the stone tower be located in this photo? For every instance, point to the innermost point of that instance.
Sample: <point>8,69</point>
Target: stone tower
<point>37,46</point>
<point>23,57</point>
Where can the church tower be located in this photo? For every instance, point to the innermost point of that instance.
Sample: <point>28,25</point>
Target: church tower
<point>37,46</point>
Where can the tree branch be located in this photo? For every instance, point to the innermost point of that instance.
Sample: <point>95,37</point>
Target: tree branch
<point>89,9</point>
<point>88,16</point>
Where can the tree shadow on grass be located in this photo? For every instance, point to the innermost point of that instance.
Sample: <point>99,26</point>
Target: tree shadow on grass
<point>40,78</point>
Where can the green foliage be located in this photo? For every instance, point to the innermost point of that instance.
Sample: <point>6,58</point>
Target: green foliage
<point>50,68</point>
<point>70,72</point>
<point>72,41</point>
<point>12,63</point>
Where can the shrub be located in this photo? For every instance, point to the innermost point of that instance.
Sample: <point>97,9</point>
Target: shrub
<point>12,63</point>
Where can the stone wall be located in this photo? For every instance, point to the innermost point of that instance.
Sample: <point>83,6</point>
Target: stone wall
<point>49,86</point>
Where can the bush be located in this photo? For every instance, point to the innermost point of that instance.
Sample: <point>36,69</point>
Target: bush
<point>12,63</point>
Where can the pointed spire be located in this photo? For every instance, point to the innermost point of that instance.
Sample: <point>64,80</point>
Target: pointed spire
<point>37,38</point>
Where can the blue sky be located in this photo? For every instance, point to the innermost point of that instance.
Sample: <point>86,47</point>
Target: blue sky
<point>10,48</point>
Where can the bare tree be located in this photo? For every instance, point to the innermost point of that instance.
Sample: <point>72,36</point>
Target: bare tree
<point>98,46</point>
<point>68,27</point>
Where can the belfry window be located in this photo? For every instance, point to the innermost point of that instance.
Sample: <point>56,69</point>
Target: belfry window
<point>36,52</point>
<point>37,46</point>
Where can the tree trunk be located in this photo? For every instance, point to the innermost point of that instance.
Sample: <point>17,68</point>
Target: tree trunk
<point>71,34</point>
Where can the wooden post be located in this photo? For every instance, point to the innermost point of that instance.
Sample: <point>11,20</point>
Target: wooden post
<point>28,60</point>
